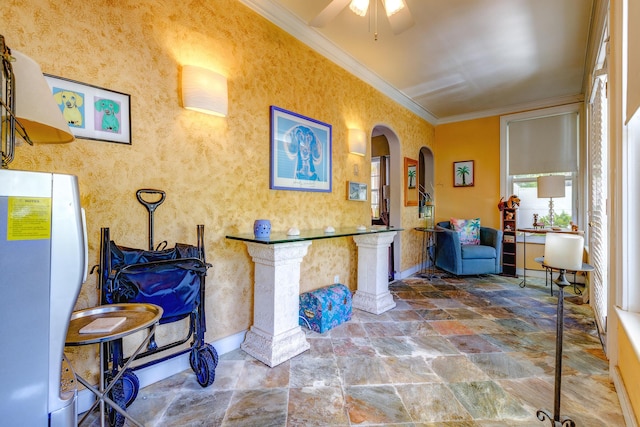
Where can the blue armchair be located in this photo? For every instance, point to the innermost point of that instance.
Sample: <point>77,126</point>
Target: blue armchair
<point>463,260</point>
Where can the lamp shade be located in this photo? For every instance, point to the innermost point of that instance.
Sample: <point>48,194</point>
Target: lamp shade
<point>357,142</point>
<point>204,90</point>
<point>563,251</point>
<point>359,7</point>
<point>36,109</point>
<point>551,186</point>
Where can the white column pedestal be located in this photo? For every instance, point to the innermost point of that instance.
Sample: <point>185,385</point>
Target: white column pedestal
<point>373,272</point>
<point>275,335</point>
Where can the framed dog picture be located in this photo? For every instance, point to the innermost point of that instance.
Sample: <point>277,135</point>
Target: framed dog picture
<point>93,112</point>
<point>300,152</point>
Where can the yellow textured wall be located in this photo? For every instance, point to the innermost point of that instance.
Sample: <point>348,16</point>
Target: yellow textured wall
<point>629,367</point>
<point>215,171</point>
<point>477,140</point>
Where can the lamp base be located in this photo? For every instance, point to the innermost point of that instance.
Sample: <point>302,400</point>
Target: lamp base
<point>556,420</point>
<point>562,281</point>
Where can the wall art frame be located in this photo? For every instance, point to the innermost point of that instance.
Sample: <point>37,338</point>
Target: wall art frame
<point>411,193</point>
<point>300,152</point>
<point>464,173</point>
<point>93,112</point>
<point>357,191</point>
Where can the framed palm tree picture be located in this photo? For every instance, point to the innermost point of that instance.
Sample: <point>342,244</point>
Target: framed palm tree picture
<point>411,194</point>
<point>463,175</point>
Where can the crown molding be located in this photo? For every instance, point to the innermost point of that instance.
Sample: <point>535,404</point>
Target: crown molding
<point>516,108</point>
<point>315,40</point>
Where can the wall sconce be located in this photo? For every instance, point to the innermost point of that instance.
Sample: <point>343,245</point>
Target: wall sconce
<point>550,186</point>
<point>28,109</point>
<point>357,142</point>
<point>204,90</point>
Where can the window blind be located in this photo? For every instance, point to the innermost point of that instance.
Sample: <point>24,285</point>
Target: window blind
<point>543,144</point>
<point>633,58</point>
<point>598,211</point>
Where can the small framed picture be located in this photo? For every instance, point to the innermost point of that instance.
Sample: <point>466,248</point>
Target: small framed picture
<point>91,111</point>
<point>356,191</point>
<point>463,174</point>
<point>411,194</point>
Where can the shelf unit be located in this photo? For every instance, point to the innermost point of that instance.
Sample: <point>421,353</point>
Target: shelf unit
<point>509,245</point>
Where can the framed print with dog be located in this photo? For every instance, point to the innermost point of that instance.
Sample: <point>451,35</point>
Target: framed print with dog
<point>93,112</point>
<point>300,152</point>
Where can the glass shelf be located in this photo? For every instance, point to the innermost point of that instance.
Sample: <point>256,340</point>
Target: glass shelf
<point>282,237</point>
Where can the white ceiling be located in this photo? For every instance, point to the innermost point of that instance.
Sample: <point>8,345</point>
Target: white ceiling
<point>462,58</point>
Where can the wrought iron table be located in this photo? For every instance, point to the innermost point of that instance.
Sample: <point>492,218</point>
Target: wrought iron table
<point>138,317</point>
<point>428,262</point>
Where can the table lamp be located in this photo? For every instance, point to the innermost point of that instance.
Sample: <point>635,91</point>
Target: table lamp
<point>563,252</point>
<point>550,186</point>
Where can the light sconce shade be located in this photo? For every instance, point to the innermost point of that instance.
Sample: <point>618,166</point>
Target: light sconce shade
<point>563,251</point>
<point>36,110</point>
<point>204,90</point>
<point>357,142</point>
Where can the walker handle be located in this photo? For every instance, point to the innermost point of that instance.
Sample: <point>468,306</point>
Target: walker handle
<point>151,207</point>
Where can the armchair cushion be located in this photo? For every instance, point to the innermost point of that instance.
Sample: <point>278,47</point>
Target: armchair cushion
<point>461,259</point>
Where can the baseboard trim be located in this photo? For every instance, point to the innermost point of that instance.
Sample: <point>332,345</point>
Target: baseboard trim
<point>165,369</point>
<point>623,397</point>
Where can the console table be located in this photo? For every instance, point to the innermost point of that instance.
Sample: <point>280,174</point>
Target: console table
<point>275,335</point>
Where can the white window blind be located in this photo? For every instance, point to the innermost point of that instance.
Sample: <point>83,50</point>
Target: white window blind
<point>543,145</point>
<point>598,212</point>
<point>633,58</point>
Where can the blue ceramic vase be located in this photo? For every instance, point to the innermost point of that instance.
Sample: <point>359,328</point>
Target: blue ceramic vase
<point>262,228</point>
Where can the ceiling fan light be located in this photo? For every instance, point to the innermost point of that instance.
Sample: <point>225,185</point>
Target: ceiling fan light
<point>359,7</point>
<point>393,6</point>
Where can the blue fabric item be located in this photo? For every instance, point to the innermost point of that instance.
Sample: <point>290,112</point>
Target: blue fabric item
<point>325,308</point>
<point>169,278</point>
<point>462,260</point>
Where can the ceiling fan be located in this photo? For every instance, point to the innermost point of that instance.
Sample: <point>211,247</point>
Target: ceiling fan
<point>397,12</point>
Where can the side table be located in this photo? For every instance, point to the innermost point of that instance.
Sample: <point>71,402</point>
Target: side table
<point>549,272</point>
<point>138,317</point>
<point>524,232</point>
<point>428,262</point>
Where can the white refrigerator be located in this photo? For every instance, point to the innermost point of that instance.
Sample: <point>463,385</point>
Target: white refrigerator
<point>43,263</point>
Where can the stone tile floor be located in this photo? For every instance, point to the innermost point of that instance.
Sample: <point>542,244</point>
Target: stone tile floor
<point>461,352</point>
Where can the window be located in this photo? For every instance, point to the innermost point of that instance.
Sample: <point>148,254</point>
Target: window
<point>380,190</point>
<point>375,188</point>
<point>526,187</point>
<point>535,143</point>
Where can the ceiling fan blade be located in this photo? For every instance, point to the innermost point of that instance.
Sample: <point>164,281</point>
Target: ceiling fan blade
<point>402,20</point>
<point>328,13</point>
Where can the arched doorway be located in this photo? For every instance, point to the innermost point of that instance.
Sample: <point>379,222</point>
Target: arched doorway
<point>385,151</point>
